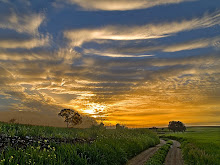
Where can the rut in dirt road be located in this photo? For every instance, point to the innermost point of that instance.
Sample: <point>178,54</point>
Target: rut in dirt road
<point>174,156</point>
<point>145,155</point>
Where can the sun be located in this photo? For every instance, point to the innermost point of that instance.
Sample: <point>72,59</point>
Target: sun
<point>95,109</point>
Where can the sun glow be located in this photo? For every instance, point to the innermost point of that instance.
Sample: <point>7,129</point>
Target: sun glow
<point>95,109</point>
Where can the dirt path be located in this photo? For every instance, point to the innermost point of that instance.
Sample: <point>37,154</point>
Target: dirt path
<point>145,155</point>
<point>174,156</point>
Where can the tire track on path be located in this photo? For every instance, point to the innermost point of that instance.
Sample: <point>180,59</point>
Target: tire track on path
<point>145,155</point>
<point>174,156</point>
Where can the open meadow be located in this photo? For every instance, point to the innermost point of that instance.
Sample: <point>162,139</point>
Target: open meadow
<point>200,145</point>
<point>27,144</point>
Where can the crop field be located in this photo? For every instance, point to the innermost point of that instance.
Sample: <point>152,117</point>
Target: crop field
<point>200,145</point>
<point>24,144</point>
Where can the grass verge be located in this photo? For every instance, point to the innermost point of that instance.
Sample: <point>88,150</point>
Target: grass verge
<point>159,157</point>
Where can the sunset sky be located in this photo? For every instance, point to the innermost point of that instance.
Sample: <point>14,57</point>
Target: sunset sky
<point>140,63</point>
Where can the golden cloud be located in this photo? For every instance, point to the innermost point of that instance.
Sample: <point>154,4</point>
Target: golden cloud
<point>22,23</point>
<point>26,43</point>
<point>77,37</point>
<point>110,5</point>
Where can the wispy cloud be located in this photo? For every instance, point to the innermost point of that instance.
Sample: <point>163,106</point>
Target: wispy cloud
<point>161,47</point>
<point>110,5</point>
<point>150,31</point>
<point>20,26</point>
<point>22,22</point>
<point>38,83</point>
<point>116,55</point>
<point>131,72</point>
<point>196,44</point>
<point>27,43</point>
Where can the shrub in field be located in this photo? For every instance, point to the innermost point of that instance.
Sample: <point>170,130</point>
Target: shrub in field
<point>159,157</point>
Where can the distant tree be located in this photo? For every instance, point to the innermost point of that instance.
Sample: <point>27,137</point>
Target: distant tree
<point>153,128</point>
<point>176,126</point>
<point>119,126</point>
<point>101,126</point>
<point>70,117</point>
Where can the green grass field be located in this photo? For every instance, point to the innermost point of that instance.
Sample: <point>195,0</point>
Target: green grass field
<point>108,147</point>
<point>200,145</point>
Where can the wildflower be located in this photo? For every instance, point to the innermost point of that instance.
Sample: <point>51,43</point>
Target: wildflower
<point>45,141</point>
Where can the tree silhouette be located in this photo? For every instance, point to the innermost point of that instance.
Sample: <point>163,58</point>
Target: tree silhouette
<point>154,128</point>
<point>119,126</point>
<point>70,116</point>
<point>101,126</point>
<point>176,126</point>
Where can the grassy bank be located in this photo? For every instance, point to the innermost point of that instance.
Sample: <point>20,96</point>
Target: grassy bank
<point>200,145</point>
<point>109,147</point>
<point>159,157</point>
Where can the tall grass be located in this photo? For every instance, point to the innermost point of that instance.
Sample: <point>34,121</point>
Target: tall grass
<point>43,131</point>
<point>111,147</point>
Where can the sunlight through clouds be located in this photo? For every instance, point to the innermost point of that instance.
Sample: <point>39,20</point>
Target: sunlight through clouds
<point>110,61</point>
<point>111,5</point>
